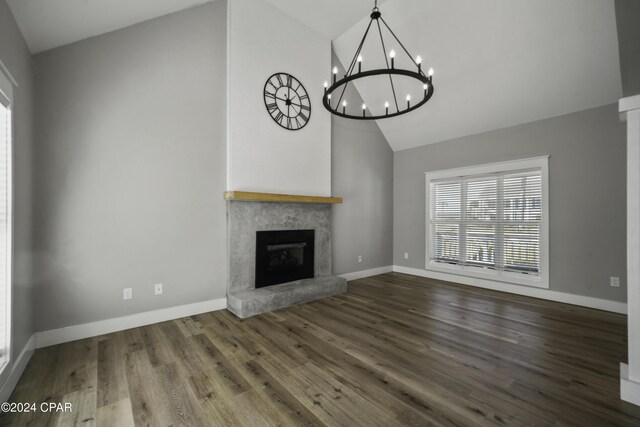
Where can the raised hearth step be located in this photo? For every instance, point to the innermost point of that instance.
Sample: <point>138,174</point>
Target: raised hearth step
<point>255,301</point>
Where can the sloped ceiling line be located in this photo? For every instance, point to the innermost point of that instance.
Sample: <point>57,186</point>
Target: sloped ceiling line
<point>498,63</point>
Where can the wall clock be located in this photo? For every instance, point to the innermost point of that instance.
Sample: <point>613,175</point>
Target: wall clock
<point>287,101</point>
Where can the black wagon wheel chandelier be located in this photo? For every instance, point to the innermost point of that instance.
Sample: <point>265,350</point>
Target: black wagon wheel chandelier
<point>338,105</point>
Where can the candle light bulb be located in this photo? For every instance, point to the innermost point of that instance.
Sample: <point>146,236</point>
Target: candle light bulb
<point>344,103</point>
<point>364,106</point>
<point>418,60</point>
<point>430,72</point>
<point>359,58</point>
<point>425,87</point>
<point>392,54</point>
<point>329,96</point>
<point>326,84</point>
<point>408,97</point>
<point>335,70</point>
<point>386,105</point>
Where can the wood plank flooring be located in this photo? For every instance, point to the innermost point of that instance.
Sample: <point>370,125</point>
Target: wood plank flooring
<point>394,350</point>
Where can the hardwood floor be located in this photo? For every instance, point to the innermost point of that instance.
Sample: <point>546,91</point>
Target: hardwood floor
<point>394,350</point>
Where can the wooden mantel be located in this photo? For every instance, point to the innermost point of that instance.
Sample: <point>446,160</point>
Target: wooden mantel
<point>247,196</point>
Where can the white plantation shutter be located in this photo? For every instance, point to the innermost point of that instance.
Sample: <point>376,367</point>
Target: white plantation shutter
<point>447,217</point>
<point>522,218</point>
<point>490,221</point>
<point>5,220</point>
<point>481,221</point>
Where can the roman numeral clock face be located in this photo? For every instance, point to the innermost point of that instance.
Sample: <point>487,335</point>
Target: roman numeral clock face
<point>287,101</point>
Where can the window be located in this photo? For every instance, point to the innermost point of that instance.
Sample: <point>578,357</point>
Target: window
<point>490,221</point>
<point>5,220</point>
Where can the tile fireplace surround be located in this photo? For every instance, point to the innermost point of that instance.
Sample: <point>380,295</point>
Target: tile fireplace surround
<point>248,213</point>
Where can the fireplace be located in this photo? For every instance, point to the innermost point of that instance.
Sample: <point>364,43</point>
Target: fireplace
<point>284,256</point>
<point>300,253</point>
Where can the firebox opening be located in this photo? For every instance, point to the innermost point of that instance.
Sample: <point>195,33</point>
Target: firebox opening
<point>284,256</point>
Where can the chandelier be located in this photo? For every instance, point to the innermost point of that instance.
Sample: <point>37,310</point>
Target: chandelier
<point>333,99</point>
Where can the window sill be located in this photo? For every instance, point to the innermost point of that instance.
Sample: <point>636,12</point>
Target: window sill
<point>487,274</point>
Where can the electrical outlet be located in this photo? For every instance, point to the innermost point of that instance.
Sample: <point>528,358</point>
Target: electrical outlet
<point>127,293</point>
<point>614,281</point>
<point>406,255</point>
<point>157,289</point>
<point>359,258</point>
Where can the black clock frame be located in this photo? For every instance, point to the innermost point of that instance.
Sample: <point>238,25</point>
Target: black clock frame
<point>301,86</point>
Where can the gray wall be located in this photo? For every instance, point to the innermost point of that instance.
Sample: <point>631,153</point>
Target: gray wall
<point>628,19</point>
<point>16,57</point>
<point>587,181</point>
<point>361,173</point>
<point>131,161</point>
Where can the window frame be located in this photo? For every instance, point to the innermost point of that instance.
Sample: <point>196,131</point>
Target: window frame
<point>7,83</point>
<point>511,166</point>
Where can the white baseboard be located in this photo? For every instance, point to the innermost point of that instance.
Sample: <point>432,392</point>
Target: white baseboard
<point>629,389</point>
<point>367,273</point>
<point>17,368</point>
<point>87,330</point>
<point>600,304</point>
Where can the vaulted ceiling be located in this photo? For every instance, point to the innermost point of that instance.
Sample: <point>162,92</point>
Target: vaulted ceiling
<point>47,24</point>
<point>330,18</point>
<point>498,62</point>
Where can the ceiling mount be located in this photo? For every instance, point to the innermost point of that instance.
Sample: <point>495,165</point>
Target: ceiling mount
<point>338,105</point>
